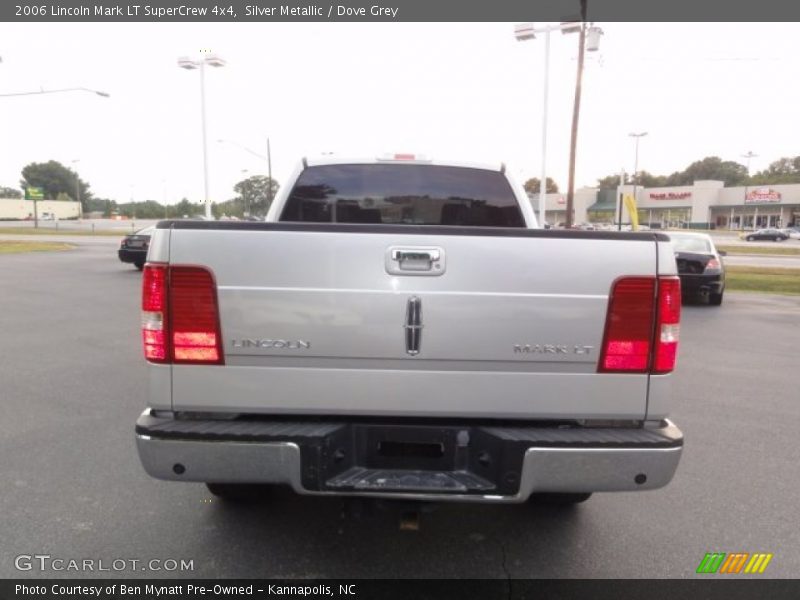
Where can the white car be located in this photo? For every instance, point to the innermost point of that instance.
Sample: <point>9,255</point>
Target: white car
<point>792,232</point>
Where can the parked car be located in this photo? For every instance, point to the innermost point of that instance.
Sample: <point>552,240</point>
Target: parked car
<point>700,265</point>
<point>133,247</point>
<point>776,235</point>
<point>793,233</point>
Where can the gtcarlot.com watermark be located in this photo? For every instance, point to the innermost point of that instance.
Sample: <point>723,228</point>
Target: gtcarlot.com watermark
<point>47,562</point>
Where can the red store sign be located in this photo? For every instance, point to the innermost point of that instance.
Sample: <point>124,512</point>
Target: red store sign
<point>670,195</point>
<point>762,195</point>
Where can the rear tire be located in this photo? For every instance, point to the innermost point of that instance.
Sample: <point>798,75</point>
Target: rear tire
<point>749,238</point>
<point>559,499</point>
<point>139,265</point>
<point>239,492</point>
<point>715,299</point>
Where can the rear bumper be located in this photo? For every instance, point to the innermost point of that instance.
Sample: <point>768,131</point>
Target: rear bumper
<point>132,256</point>
<point>702,283</point>
<point>469,462</point>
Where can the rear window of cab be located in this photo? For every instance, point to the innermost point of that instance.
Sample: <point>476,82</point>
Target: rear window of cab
<point>403,194</point>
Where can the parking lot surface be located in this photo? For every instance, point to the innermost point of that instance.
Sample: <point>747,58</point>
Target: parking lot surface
<point>74,381</point>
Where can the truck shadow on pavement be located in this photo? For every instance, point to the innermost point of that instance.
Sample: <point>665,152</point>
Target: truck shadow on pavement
<point>284,535</point>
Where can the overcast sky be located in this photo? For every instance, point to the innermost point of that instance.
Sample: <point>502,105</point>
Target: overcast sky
<point>459,90</point>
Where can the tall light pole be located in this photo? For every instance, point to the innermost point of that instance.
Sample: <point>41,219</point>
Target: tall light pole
<point>246,210</point>
<point>78,188</point>
<point>750,154</point>
<point>269,175</point>
<point>637,136</point>
<point>527,31</point>
<point>164,197</point>
<point>267,158</point>
<point>189,64</point>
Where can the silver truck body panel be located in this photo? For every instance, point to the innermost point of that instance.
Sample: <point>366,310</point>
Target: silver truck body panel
<point>312,322</point>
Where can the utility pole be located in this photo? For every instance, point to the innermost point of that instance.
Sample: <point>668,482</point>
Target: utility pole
<point>269,174</point>
<point>748,156</point>
<point>575,114</point>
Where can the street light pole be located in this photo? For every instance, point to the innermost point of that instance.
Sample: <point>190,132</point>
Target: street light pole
<point>246,210</point>
<point>527,31</point>
<point>78,189</point>
<point>267,158</point>
<point>205,143</point>
<point>269,174</point>
<point>638,136</point>
<point>748,156</point>
<point>189,64</point>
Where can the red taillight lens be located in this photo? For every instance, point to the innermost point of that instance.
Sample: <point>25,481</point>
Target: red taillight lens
<point>629,326</point>
<point>712,264</point>
<point>642,326</point>
<point>194,316</point>
<point>154,309</point>
<point>180,316</point>
<point>667,324</point>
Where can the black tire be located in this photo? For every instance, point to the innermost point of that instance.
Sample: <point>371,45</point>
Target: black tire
<point>139,265</point>
<point>749,238</point>
<point>715,299</point>
<point>559,499</point>
<point>239,492</point>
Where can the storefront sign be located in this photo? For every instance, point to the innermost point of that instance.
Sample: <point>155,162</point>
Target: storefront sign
<point>670,195</point>
<point>762,195</point>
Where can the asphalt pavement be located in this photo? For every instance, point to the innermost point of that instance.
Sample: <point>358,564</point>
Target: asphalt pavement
<point>73,381</point>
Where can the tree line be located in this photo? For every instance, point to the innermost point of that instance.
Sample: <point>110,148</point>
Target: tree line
<point>783,170</point>
<point>58,182</point>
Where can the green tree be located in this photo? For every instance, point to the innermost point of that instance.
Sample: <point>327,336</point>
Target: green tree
<point>104,205</point>
<point>54,178</point>
<point>229,208</point>
<point>610,182</point>
<point>646,179</point>
<point>147,209</point>
<point>254,193</point>
<point>711,167</point>
<point>184,208</point>
<point>532,186</point>
<point>783,170</point>
<point>7,192</point>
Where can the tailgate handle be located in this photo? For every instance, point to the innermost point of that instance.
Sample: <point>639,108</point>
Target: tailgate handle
<point>415,260</point>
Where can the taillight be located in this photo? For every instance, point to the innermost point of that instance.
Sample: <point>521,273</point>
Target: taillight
<point>712,264</point>
<point>668,326</point>
<point>180,316</point>
<point>154,310</point>
<point>642,326</point>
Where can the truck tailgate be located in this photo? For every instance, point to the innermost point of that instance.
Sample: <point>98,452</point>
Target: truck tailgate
<point>325,320</point>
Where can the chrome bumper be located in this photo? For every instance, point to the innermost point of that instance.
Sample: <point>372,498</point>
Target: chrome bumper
<point>544,469</point>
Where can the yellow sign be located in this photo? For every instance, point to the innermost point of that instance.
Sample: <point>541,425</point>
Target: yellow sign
<point>630,204</point>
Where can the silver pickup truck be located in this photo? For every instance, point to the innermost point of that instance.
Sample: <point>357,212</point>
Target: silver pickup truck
<point>401,328</point>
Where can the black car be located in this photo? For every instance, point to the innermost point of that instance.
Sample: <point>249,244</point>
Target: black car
<point>700,266</point>
<point>133,248</point>
<point>776,235</point>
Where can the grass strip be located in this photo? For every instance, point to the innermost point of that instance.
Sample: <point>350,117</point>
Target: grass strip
<point>13,247</point>
<point>776,251</point>
<point>62,231</point>
<point>768,280</point>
